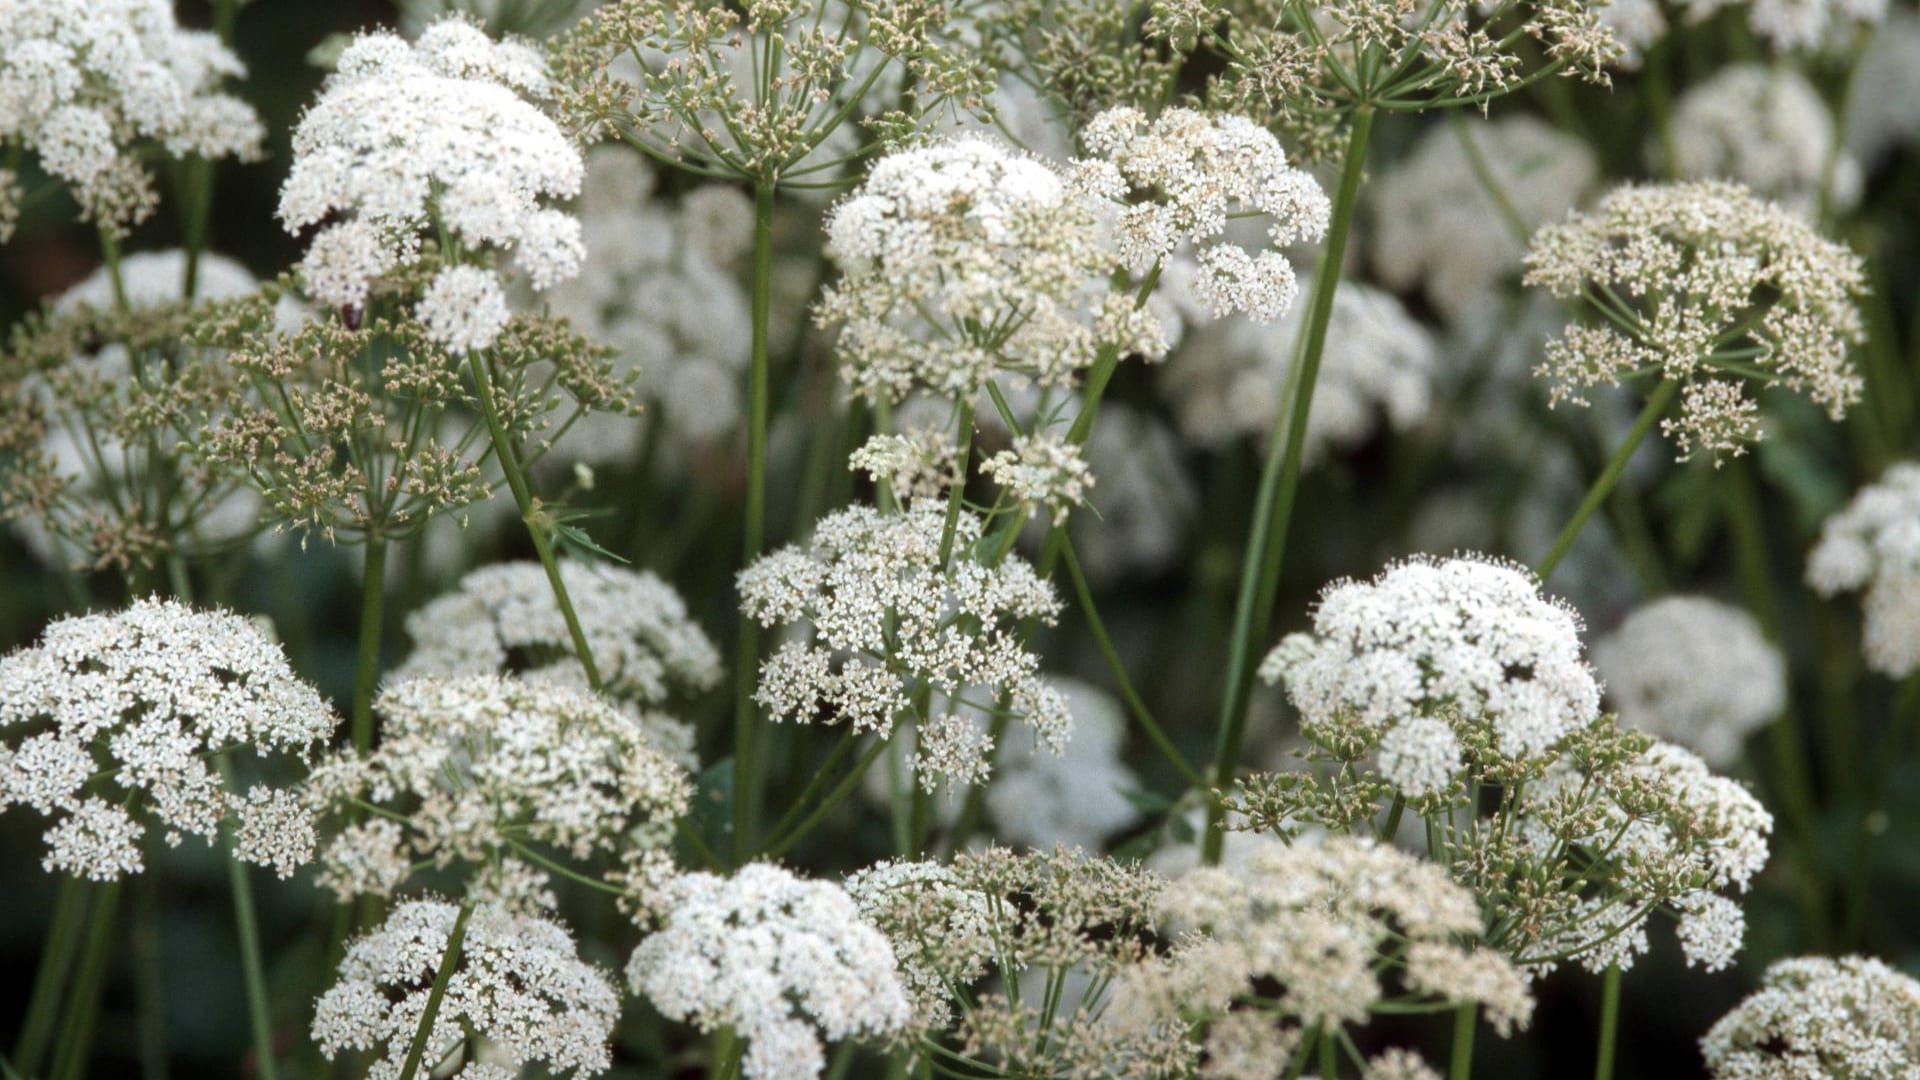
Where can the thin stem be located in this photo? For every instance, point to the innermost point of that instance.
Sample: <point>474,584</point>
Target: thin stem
<point>56,963</point>
<point>259,1005</point>
<point>1483,172</point>
<point>83,1003</point>
<point>820,776</point>
<point>746,763</point>
<point>530,512</point>
<point>449,960</point>
<point>1657,404</point>
<point>780,844</point>
<point>1329,1053</point>
<point>1273,507</point>
<point>957,494</point>
<point>1465,1018</point>
<point>1609,1022</point>
<point>366,672</point>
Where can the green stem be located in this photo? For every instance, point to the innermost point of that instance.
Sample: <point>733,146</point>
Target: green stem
<point>149,989</point>
<point>746,763</point>
<point>1279,481</point>
<point>820,777</point>
<point>449,960</point>
<point>366,672</point>
<point>1603,484</point>
<point>1465,1018</point>
<point>252,968</point>
<point>110,254</point>
<point>83,1003</point>
<point>1329,1053</point>
<point>522,487</point>
<point>958,493</point>
<point>56,963</point>
<point>1609,1022</point>
<point>779,845</point>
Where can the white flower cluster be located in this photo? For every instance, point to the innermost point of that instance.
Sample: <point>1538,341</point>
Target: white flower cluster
<point>1191,171</point>
<point>784,961</point>
<point>964,261</point>
<point>1819,1016</point>
<point>441,133</point>
<point>1694,671</point>
<point>86,86</point>
<point>1709,285</point>
<point>1874,544</point>
<point>887,617</point>
<point>1042,470</point>
<point>476,767</point>
<point>503,618</point>
<point>1767,128</point>
<point>1886,81</point>
<point>141,700</point>
<point>519,985</point>
<point>1437,229</point>
<point>1435,642</point>
<point>1798,24</point>
<point>1230,379</point>
<point>657,285</point>
<point>1315,920</point>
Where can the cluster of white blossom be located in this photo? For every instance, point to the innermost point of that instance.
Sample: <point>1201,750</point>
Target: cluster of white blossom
<point>1315,921</point>
<point>888,618</point>
<point>1437,227</point>
<point>1042,471</point>
<point>1850,1016</point>
<point>503,618</point>
<point>1434,643</point>
<point>964,261</point>
<point>1879,116</point>
<point>659,287</point>
<point>1230,379</point>
<point>1874,544</point>
<point>142,700</point>
<point>1179,177</point>
<point>783,961</point>
<point>1767,128</point>
<point>1798,24</point>
<point>87,87</point>
<point>1708,285</point>
<point>519,986</point>
<point>439,134</point>
<point>476,768</point>
<point>1694,671</point>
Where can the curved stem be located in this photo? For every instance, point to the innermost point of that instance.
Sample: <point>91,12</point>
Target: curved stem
<point>1603,484</point>
<point>449,959</point>
<point>366,672</point>
<point>1279,481</point>
<point>1609,1022</point>
<point>522,487</point>
<point>746,763</point>
<point>1465,1018</point>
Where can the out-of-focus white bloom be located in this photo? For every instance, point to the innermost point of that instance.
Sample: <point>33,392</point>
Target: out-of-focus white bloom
<point>963,261</point>
<point>1229,379</point>
<point>1693,671</point>
<point>1179,176</point>
<point>1798,24</point>
<point>1146,501</point>
<point>1819,1016</point>
<point>1886,82</point>
<point>657,286</point>
<point>1635,24</point>
<point>145,696</point>
<point>503,617</point>
<point>1398,1064</point>
<point>87,85</point>
<point>473,767</point>
<point>439,133</point>
<point>885,615</point>
<point>1765,127</point>
<point>1874,544</point>
<point>1437,229</point>
<point>784,961</point>
<point>1470,637</point>
<point>519,985</point>
<point>1713,286</point>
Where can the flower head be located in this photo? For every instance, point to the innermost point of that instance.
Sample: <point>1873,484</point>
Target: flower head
<point>1694,671</point>
<point>1820,1016</point>
<point>1874,544</point>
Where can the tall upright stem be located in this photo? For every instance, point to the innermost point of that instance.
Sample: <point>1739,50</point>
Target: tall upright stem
<point>746,763</point>
<point>366,672</point>
<point>1279,481</point>
<point>1609,1022</point>
<point>83,1004</point>
<point>449,959</point>
<point>1603,484</point>
<point>56,963</point>
<point>1465,1018</point>
<point>253,969</point>
<point>522,487</point>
